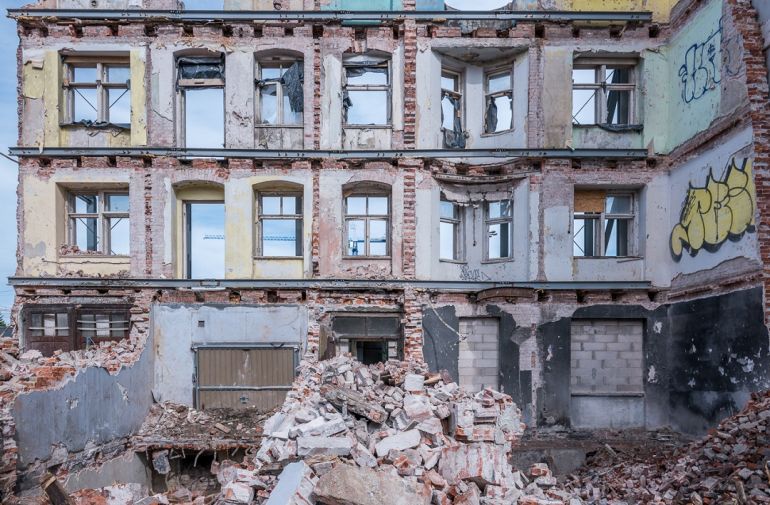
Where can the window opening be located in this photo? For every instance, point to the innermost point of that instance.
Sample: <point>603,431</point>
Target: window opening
<point>603,94</point>
<point>280,225</point>
<point>499,100</point>
<point>205,241</point>
<point>449,231</point>
<point>97,90</point>
<point>280,94</point>
<point>201,87</point>
<point>452,110</point>
<point>603,224</point>
<point>366,93</point>
<point>99,222</point>
<point>367,225</point>
<point>499,224</point>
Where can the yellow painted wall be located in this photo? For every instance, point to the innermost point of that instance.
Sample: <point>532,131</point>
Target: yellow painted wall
<point>661,9</point>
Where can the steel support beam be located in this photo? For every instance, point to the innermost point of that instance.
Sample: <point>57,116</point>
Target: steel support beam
<point>207,16</point>
<point>350,284</point>
<point>274,154</point>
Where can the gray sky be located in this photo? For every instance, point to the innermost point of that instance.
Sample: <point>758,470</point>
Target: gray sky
<point>8,171</point>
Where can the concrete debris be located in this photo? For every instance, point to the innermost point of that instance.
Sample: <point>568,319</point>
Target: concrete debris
<point>346,484</point>
<point>729,465</point>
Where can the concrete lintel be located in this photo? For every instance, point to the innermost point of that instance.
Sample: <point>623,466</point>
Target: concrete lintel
<point>273,154</point>
<point>208,16</point>
<point>463,286</point>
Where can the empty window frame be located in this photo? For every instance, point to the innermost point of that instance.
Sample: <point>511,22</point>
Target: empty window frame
<point>205,239</point>
<point>498,88</point>
<point>201,92</point>
<point>366,93</point>
<point>367,225</point>
<point>450,231</point>
<point>101,325</point>
<point>279,225</point>
<point>98,222</point>
<point>603,224</point>
<point>371,338</point>
<point>498,224</point>
<point>280,97</point>
<point>47,329</point>
<point>452,109</point>
<point>604,92</point>
<point>97,90</point>
<point>59,327</point>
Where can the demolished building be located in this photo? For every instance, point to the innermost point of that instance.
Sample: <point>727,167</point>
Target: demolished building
<point>562,200</point>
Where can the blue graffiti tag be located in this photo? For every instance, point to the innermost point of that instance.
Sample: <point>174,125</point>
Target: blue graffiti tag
<point>702,70</point>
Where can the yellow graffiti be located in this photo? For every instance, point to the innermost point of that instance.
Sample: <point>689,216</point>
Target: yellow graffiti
<point>718,211</point>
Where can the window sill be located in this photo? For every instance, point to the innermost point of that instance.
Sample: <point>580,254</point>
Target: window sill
<point>456,262</point>
<point>369,126</point>
<point>281,126</point>
<point>96,126</point>
<point>620,258</point>
<point>497,134</point>
<point>95,256</point>
<point>501,260</point>
<point>366,258</point>
<point>268,258</point>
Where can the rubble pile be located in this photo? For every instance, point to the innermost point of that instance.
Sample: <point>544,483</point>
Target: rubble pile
<point>389,433</point>
<point>730,465</point>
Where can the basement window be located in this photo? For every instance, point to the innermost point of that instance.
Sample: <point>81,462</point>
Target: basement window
<point>452,109</point>
<point>498,221</point>
<point>603,224</point>
<point>100,325</point>
<point>98,222</point>
<point>279,92</point>
<point>603,92</point>
<point>279,225</point>
<point>201,92</point>
<point>450,231</point>
<point>97,90</point>
<point>366,92</point>
<point>367,225</point>
<point>498,116</point>
<point>369,338</point>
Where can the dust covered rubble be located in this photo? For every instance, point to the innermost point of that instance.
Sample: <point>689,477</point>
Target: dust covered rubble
<point>389,433</point>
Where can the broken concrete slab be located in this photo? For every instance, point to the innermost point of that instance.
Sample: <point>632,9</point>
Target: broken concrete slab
<point>482,463</point>
<point>323,446</point>
<point>348,485</point>
<point>405,440</point>
<point>295,485</point>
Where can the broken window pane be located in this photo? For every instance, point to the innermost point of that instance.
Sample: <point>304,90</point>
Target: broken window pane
<point>356,237</point>
<point>96,93</point>
<point>119,233</point>
<point>499,114</point>
<point>269,104</point>
<point>498,240</point>
<point>448,112</point>
<point>204,118</point>
<point>361,76</point>
<point>378,237</point>
<point>583,242</point>
<point>206,240</point>
<point>85,105</point>
<point>606,232</point>
<point>367,107</point>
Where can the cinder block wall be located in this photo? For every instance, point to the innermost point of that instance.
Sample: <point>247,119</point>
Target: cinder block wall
<point>479,360</point>
<point>606,357</point>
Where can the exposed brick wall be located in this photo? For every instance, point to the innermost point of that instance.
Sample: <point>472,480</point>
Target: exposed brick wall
<point>746,20</point>
<point>606,356</point>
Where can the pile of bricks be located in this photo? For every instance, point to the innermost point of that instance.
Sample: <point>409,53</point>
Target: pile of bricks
<point>730,465</point>
<point>389,433</point>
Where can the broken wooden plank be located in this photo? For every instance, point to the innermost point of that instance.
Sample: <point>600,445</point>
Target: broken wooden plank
<point>55,491</point>
<point>355,402</point>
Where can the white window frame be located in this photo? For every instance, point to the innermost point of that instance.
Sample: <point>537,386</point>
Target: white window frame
<point>288,217</point>
<point>494,72</point>
<point>457,94</point>
<point>102,216</point>
<point>458,227</point>
<point>602,217</point>
<point>369,87</point>
<point>497,220</point>
<point>102,86</point>
<point>601,88</point>
<point>284,63</point>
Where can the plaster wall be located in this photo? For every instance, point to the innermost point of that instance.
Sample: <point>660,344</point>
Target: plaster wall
<point>177,328</point>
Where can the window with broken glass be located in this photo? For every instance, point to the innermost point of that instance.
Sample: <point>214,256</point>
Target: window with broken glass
<point>366,225</point>
<point>450,231</point>
<point>366,93</point>
<point>603,224</point>
<point>499,225</point>
<point>99,222</point>
<point>452,109</point>
<point>603,93</point>
<point>279,92</point>
<point>97,91</point>
<point>50,328</point>
<point>499,101</point>
<point>201,91</point>
<point>372,338</point>
<point>279,225</point>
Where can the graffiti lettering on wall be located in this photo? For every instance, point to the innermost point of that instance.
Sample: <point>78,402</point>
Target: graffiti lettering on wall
<point>706,63</point>
<point>473,274</point>
<point>720,210</point>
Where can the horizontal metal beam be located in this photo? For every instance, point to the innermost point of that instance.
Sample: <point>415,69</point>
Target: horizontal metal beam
<point>275,154</point>
<point>208,16</point>
<point>352,284</point>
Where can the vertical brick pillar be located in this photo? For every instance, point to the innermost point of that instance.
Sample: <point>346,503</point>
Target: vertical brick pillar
<point>746,22</point>
<point>410,77</point>
<point>315,312</point>
<point>408,169</point>
<point>315,230</point>
<point>412,325</point>
<point>316,93</point>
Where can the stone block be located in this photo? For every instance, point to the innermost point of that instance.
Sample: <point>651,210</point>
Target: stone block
<point>346,484</point>
<point>323,446</point>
